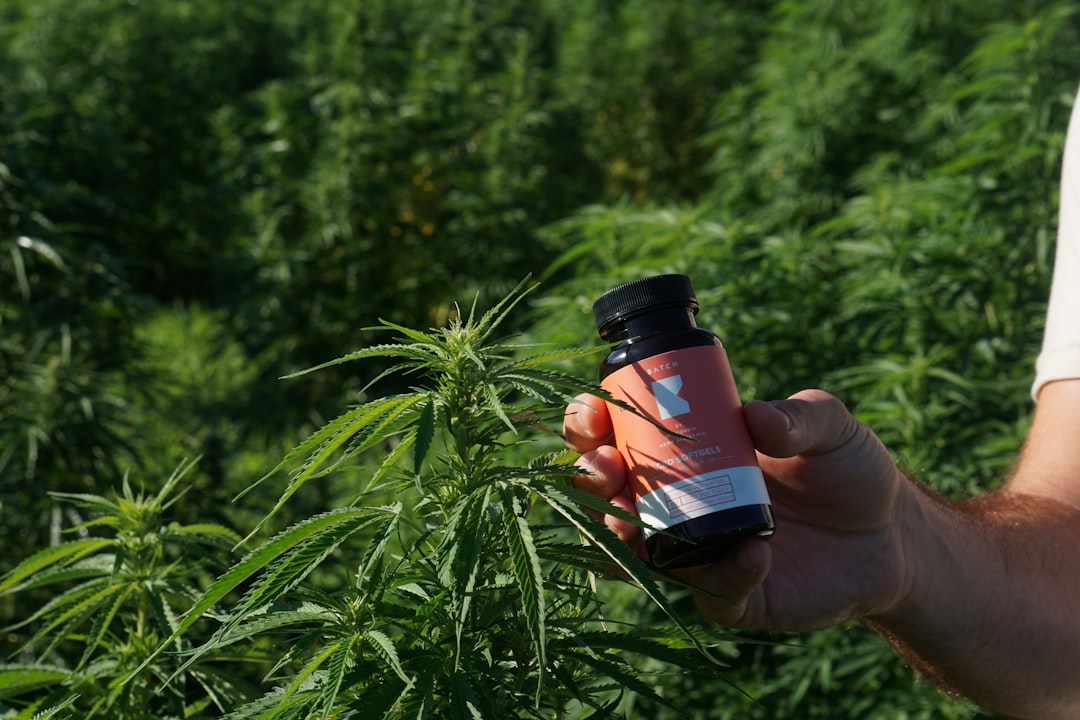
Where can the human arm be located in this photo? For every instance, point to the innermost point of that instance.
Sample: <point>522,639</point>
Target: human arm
<point>992,609</point>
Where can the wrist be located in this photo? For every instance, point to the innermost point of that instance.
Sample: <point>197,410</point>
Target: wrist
<point>935,609</point>
<point>920,554</point>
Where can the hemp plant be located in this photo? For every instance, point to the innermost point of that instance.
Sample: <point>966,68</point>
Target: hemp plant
<point>472,594</point>
<point>114,597</point>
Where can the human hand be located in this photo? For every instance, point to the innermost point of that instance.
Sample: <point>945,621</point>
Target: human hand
<point>839,501</point>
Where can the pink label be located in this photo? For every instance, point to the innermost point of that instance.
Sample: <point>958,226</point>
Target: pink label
<point>690,392</point>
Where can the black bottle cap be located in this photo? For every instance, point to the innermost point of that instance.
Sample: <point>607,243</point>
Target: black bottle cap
<point>648,294</point>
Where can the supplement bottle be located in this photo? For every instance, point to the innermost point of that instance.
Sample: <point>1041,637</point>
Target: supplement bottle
<point>693,472</point>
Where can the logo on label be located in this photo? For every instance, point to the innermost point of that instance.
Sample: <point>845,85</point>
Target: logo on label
<point>666,392</point>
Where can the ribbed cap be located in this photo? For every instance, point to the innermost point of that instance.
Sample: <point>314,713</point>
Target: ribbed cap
<point>645,295</point>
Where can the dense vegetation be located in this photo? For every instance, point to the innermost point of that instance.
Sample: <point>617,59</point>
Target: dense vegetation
<point>198,198</point>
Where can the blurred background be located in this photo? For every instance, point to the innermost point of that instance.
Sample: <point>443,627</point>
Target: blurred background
<point>197,198</point>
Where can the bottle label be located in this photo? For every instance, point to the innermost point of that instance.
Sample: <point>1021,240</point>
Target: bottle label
<point>689,392</point>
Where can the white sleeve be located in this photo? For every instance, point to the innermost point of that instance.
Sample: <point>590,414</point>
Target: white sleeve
<point>1060,356</point>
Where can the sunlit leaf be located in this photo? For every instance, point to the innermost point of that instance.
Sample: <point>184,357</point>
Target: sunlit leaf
<point>260,558</point>
<point>63,554</point>
<point>526,564</point>
<point>18,679</point>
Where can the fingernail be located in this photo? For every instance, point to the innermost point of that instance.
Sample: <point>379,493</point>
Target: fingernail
<point>790,422</point>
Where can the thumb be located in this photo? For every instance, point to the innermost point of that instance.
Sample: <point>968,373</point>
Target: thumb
<point>811,422</point>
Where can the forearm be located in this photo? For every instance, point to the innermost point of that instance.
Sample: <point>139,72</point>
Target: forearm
<point>991,607</point>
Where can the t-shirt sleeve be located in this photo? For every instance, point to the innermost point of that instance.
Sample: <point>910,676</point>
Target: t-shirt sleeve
<point>1060,355</point>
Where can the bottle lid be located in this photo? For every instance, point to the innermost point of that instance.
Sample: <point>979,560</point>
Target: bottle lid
<point>648,294</point>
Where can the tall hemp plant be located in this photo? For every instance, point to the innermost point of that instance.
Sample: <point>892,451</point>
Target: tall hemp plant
<point>472,594</point>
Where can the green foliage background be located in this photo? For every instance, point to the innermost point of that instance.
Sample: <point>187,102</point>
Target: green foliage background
<point>197,198</point>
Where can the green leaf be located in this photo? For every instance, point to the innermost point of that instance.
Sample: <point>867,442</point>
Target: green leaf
<point>419,337</point>
<point>61,605</point>
<point>273,619</point>
<point>277,705</point>
<point>470,352</point>
<point>494,404</point>
<point>258,560</point>
<point>538,389</point>
<point>561,354</point>
<point>162,611</point>
<point>284,574</point>
<point>464,698</point>
<point>298,561</point>
<point>585,557</point>
<point>90,502</point>
<point>54,710</point>
<point>102,621</point>
<point>390,463</point>
<point>373,553</point>
<point>564,501</point>
<point>388,425</point>
<point>94,566</point>
<point>622,674</point>
<point>604,712</point>
<point>678,652</point>
<point>305,675</point>
<point>463,556</point>
<point>384,648</point>
<point>206,531</point>
<point>571,385</point>
<point>337,666</point>
<point>425,433</point>
<point>422,354</point>
<point>569,492</point>
<point>526,565</point>
<point>259,708</point>
<point>80,604</point>
<point>18,679</point>
<point>324,441</point>
<point>325,434</point>
<point>65,553</point>
<point>111,521</point>
<point>368,420</point>
<point>378,696</point>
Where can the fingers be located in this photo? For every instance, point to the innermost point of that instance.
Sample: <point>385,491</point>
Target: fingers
<point>587,429</point>
<point>729,591</point>
<point>626,531</point>
<point>811,422</point>
<point>606,478</point>
<point>606,470</point>
<point>586,424</point>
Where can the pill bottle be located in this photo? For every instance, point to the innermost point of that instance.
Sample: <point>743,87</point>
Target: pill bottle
<point>692,470</point>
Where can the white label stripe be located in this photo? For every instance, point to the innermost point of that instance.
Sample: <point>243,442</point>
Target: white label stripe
<point>685,499</point>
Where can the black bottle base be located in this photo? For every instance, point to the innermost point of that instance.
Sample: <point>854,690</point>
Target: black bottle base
<point>704,539</point>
